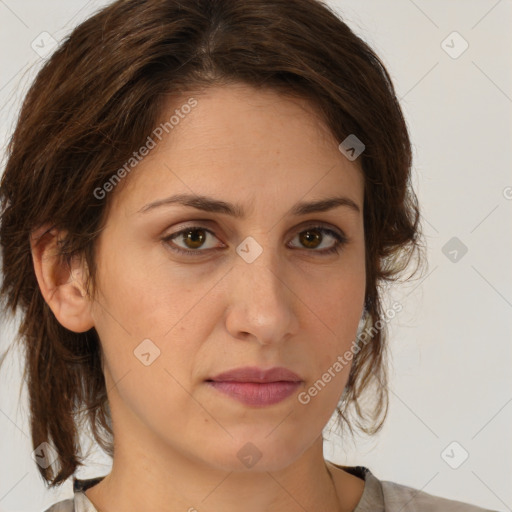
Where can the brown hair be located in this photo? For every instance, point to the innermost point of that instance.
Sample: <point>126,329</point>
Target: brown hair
<point>98,98</point>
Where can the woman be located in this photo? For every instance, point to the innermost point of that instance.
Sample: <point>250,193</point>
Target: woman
<point>200,203</point>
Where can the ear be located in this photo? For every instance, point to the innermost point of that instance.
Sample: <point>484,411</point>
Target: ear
<point>61,285</point>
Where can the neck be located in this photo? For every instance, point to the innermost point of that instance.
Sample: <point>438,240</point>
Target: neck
<point>140,482</point>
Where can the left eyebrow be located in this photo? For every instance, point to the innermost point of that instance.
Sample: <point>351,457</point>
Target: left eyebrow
<point>212,205</point>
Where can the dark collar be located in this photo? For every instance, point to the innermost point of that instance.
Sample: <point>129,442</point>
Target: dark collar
<point>83,485</point>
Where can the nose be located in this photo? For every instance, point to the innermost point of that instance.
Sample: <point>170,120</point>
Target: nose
<point>262,304</point>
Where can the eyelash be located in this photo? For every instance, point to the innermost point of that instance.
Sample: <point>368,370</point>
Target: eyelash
<point>340,241</point>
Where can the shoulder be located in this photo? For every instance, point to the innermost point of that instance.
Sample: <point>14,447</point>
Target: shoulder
<point>401,497</point>
<point>62,506</point>
<point>398,497</point>
<point>79,502</point>
<point>384,496</point>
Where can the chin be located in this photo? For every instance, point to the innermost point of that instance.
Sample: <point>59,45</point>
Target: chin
<point>251,455</point>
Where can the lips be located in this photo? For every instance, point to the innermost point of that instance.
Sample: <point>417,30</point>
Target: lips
<point>255,386</point>
<point>255,374</point>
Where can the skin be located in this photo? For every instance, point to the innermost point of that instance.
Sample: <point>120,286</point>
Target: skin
<point>176,438</point>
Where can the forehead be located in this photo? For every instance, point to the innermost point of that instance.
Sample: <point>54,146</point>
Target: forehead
<point>238,118</point>
<point>239,141</point>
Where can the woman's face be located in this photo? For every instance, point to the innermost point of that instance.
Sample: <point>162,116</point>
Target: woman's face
<point>258,288</point>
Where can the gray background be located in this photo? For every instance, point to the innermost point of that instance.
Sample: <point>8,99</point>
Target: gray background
<point>451,344</point>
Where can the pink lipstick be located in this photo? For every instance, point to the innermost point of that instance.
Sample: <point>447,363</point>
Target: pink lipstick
<point>255,386</point>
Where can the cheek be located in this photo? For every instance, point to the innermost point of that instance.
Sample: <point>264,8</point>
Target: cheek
<point>151,374</point>
<point>147,323</point>
<point>336,304</point>
<point>149,313</point>
<point>143,292</point>
<point>337,308</point>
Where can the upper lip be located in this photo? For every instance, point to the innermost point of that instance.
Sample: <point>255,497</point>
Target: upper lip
<point>255,374</point>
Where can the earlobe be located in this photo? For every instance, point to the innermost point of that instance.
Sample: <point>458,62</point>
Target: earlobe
<point>61,285</point>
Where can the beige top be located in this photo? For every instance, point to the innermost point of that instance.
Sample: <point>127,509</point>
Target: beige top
<point>378,496</point>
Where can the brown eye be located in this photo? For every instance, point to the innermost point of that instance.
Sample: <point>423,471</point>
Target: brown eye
<point>192,239</point>
<point>312,238</point>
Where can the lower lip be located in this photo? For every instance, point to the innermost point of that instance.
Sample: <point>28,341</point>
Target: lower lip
<point>255,393</point>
